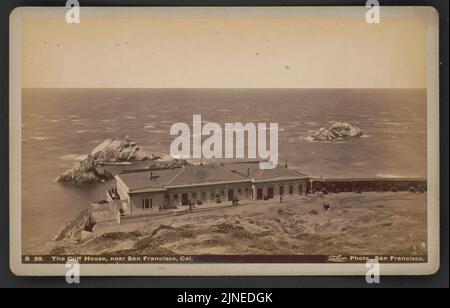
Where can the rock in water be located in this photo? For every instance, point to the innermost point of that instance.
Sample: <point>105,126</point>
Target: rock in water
<point>123,149</point>
<point>117,150</point>
<point>337,132</point>
<point>85,172</point>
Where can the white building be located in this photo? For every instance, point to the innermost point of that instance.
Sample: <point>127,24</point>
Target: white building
<point>141,191</point>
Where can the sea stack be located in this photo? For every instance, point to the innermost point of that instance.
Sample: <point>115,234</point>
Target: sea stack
<point>338,131</point>
<point>113,151</point>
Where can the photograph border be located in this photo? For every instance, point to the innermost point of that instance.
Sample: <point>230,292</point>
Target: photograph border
<point>225,269</point>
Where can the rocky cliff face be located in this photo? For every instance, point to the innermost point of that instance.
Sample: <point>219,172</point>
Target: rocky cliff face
<point>111,150</point>
<point>85,172</point>
<point>72,230</point>
<point>118,150</point>
<point>263,230</point>
<point>338,131</point>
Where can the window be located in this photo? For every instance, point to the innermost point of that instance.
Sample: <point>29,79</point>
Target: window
<point>239,191</point>
<point>222,193</point>
<point>203,195</point>
<point>213,196</point>
<point>194,195</point>
<point>281,190</point>
<point>291,189</point>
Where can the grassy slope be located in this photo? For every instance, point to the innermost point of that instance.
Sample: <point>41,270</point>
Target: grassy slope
<point>371,223</point>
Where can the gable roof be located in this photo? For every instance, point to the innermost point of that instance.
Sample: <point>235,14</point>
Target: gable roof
<point>203,174</point>
<point>139,182</point>
<point>251,170</point>
<point>279,173</point>
<point>195,175</point>
<point>159,180</point>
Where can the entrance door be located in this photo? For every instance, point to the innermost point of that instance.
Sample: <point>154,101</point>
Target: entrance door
<point>270,193</point>
<point>230,194</point>
<point>259,194</point>
<point>184,199</point>
<point>166,201</point>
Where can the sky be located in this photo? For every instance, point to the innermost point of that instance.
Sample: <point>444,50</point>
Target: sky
<point>244,52</point>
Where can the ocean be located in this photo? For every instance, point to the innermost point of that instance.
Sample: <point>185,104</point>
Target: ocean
<point>60,126</point>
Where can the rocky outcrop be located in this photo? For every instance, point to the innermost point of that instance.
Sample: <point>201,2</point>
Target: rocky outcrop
<point>263,230</point>
<point>338,131</point>
<point>162,164</point>
<point>85,172</point>
<point>112,151</point>
<point>119,150</point>
<point>72,230</point>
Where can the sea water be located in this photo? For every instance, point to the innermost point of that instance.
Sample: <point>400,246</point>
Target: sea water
<point>61,126</point>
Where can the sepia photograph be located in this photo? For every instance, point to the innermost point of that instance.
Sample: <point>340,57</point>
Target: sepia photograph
<point>224,141</point>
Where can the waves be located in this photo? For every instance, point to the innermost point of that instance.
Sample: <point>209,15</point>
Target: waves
<point>41,138</point>
<point>73,157</point>
<point>389,175</point>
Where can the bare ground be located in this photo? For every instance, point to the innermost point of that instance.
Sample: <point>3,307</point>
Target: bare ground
<point>370,223</point>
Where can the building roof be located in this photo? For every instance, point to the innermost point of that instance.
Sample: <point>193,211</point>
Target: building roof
<point>251,170</point>
<point>139,182</point>
<point>201,174</point>
<point>194,175</point>
<point>159,180</point>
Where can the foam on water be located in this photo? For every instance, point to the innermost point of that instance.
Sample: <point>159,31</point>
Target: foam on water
<point>46,205</point>
<point>74,157</point>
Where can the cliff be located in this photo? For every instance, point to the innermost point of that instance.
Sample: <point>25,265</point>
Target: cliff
<point>297,226</point>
